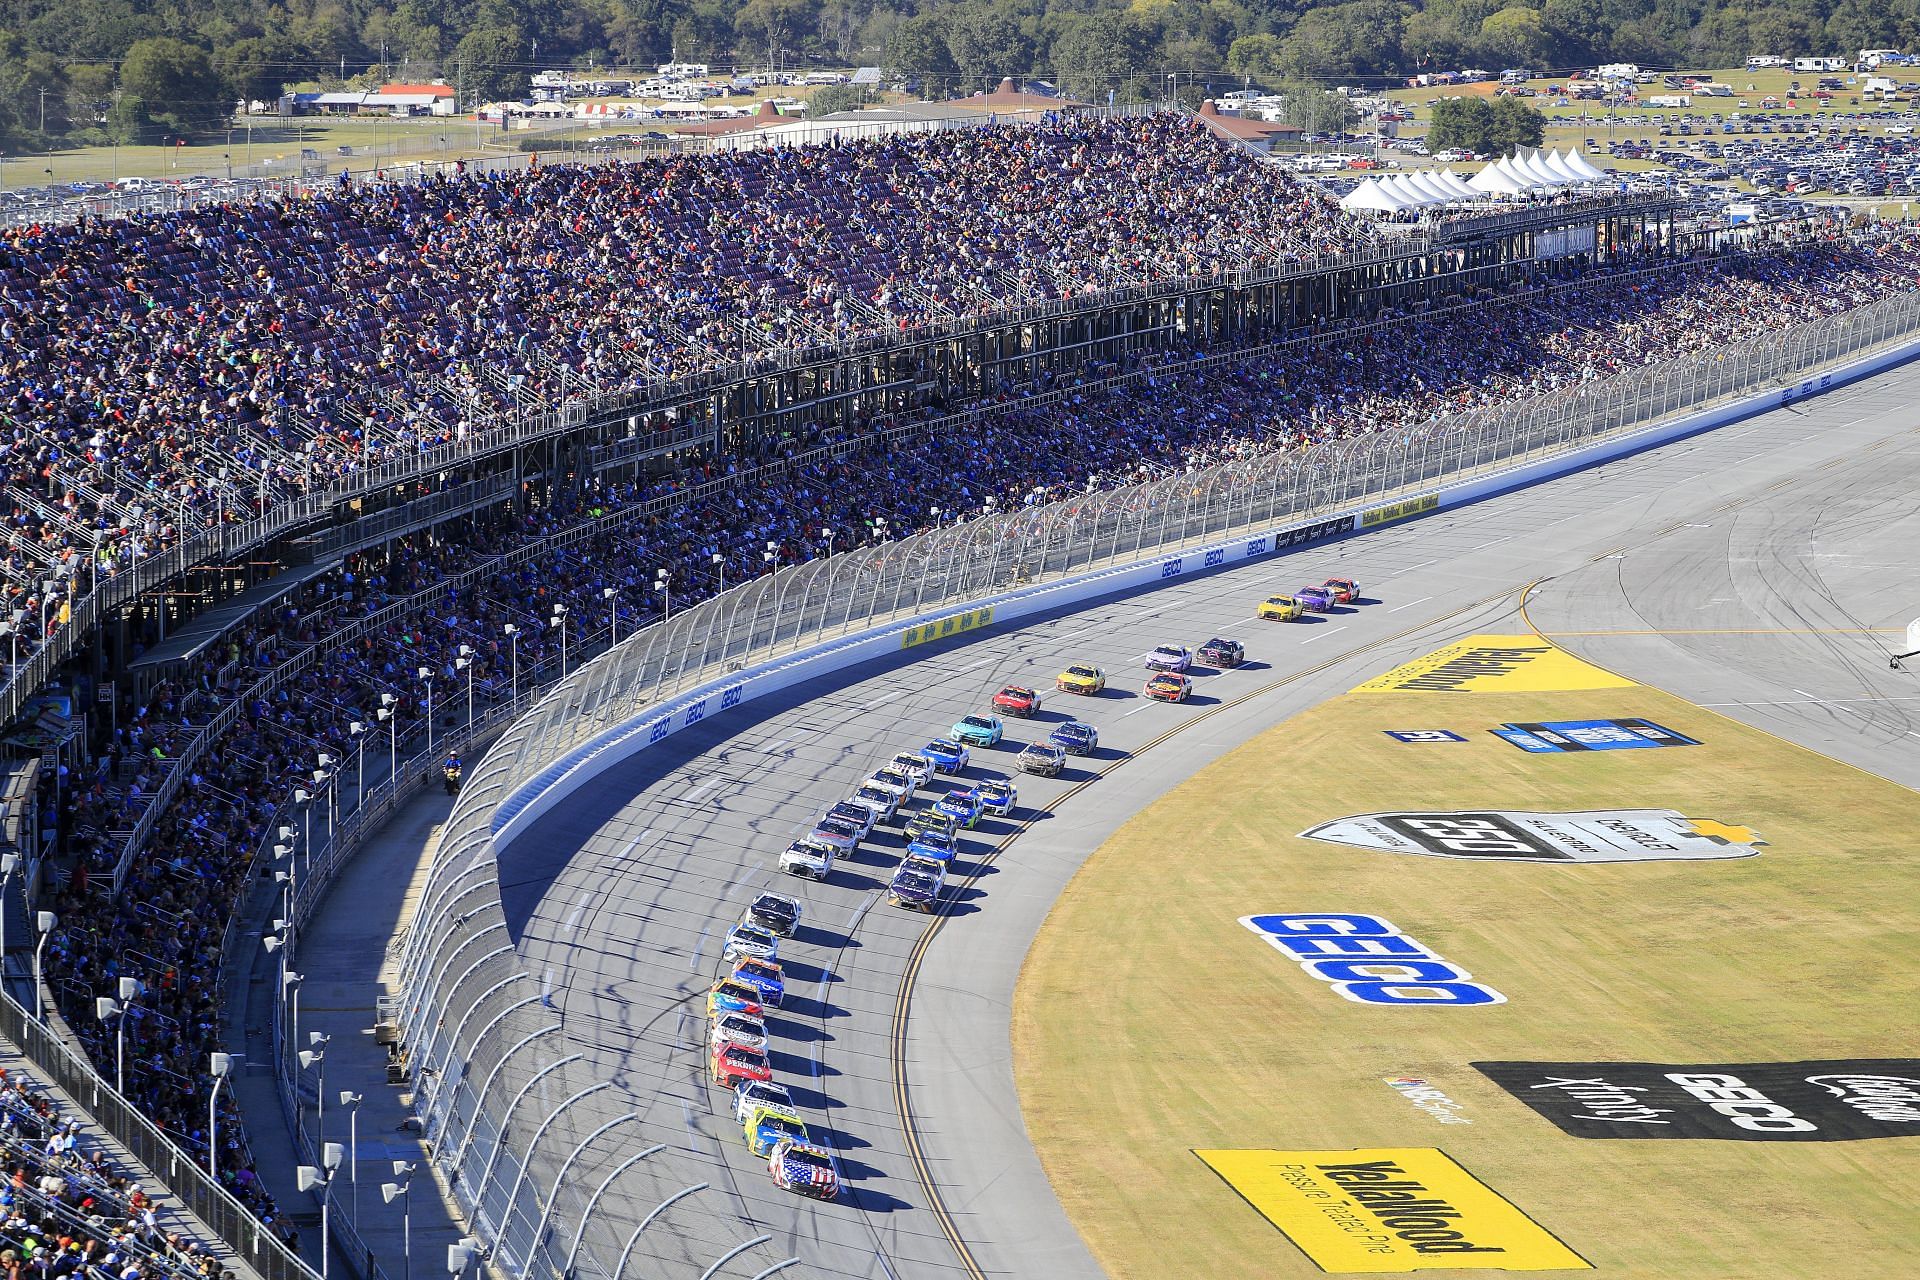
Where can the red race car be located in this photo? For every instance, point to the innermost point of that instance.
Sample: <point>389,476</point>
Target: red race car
<point>1016,700</point>
<point>1169,686</point>
<point>732,1063</point>
<point>1343,590</point>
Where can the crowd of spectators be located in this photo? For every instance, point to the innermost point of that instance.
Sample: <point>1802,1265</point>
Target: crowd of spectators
<point>66,1211</point>
<point>159,374</point>
<point>145,357</point>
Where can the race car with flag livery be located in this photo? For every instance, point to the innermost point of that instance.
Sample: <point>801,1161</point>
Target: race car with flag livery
<point>1281,609</point>
<point>1168,686</point>
<point>1222,653</point>
<point>803,1169</point>
<point>1016,700</point>
<point>1081,679</point>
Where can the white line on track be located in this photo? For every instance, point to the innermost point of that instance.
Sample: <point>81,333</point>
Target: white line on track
<point>972,666</point>
<point>580,907</point>
<point>1835,703</point>
<point>628,852</point>
<point>882,699</point>
<point>1136,711</point>
<point>773,748</point>
<point>1321,635</point>
<point>1810,699</point>
<point>1409,604</point>
<point>693,961</point>
<point>694,795</point>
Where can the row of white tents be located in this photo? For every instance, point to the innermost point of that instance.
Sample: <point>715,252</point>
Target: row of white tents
<point>1527,170</point>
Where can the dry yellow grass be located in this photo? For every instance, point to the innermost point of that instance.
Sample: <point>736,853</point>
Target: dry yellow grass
<point>1200,1036</point>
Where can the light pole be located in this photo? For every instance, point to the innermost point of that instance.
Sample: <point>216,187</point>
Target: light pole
<point>109,1008</point>
<point>222,1066</point>
<point>8,862</point>
<point>351,1101</point>
<point>465,663</point>
<point>314,1179</point>
<point>402,1190</point>
<point>663,583</point>
<point>613,615</point>
<point>316,1058</point>
<point>426,676</point>
<point>48,922</point>
<point>358,732</point>
<point>304,798</point>
<point>512,633</point>
<point>720,567</point>
<point>290,993</point>
<point>388,712</point>
<point>559,619</point>
<point>828,535</point>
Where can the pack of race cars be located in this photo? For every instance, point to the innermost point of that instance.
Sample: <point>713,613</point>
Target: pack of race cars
<point>738,1039</point>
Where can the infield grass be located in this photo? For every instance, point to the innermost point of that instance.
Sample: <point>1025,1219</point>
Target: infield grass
<point>1148,1022</point>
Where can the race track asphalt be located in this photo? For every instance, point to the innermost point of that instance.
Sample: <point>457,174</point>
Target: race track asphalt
<point>1737,569</point>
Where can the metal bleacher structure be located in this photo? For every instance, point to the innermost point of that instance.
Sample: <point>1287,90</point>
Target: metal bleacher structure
<point>274,527</point>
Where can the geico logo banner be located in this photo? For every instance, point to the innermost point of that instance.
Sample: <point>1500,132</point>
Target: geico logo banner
<point>1390,1209</point>
<point>1369,961</point>
<point>1596,835</point>
<point>1824,1101</point>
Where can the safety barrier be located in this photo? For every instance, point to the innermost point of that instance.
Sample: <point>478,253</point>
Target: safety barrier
<point>560,1197</point>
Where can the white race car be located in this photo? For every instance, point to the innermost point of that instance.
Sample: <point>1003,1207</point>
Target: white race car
<point>738,1028</point>
<point>808,858</point>
<point>914,765</point>
<point>749,1094</point>
<point>857,815</point>
<point>884,803</point>
<point>895,781</point>
<point>750,941</point>
<point>1170,657</point>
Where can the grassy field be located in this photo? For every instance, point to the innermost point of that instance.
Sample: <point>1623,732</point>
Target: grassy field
<point>1200,1036</point>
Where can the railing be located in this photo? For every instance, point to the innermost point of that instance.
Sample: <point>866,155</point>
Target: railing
<point>536,1180</point>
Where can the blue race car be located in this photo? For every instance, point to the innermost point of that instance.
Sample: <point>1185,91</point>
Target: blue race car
<point>947,756</point>
<point>1075,737</point>
<point>979,731</point>
<point>963,805</point>
<point>764,976</point>
<point>934,846</point>
<point>999,796</point>
<point>1316,599</point>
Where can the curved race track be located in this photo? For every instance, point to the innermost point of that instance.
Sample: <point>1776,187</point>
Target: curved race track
<point>1745,569</point>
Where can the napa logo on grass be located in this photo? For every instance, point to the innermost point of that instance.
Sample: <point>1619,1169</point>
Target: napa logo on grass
<point>1378,1210</point>
<point>1593,835</point>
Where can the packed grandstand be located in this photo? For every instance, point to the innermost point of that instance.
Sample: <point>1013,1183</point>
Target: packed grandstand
<point>168,373</point>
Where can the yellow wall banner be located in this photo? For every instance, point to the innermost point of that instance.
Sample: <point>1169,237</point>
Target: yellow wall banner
<point>1495,664</point>
<point>1390,1209</point>
<point>952,626</point>
<point>1398,511</point>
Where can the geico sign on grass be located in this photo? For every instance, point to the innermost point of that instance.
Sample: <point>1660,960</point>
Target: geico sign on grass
<point>1369,961</point>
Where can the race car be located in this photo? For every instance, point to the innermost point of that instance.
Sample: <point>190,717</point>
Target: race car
<point>1168,686</point>
<point>836,833</point>
<point>1170,657</point>
<point>947,756</point>
<point>808,858</point>
<point>1315,599</point>
<point>1016,700</point>
<point>963,805</point>
<point>934,821</point>
<point>979,731</point>
<point>895,781</point>
<point>756,1093</point>
<point>763,976</point>
<point>1345,590</point>
<point>857,816</point>
<point>999,796</point>
<point>1080,679</point>
<point>778,914</point>
<point>916,766</point>
<point>1280,609</point>
<point>746,941</point>
<point>738,1028</point>
<point>803,1169</point>
<point>731,1064</point>
<point>1222,653</point>
<point>933,846</point>
<point>1043,758</point>
<point>916,884</point>
<point>884,804</point>
<point>727,996</point>
<point>766,1126</point>
<point>1075,737</point>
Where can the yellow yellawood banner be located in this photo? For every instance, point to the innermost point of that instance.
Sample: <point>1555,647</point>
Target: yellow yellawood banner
<point>1390,1209</point>
<point>949,626</point>
<point>1398,511</point>
<point>1496,664</point>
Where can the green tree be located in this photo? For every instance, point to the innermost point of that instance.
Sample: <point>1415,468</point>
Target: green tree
<point>1257,57</point>
<point>1314,109</point>
<point>490,64</point>
<point>256,68</point>
<point>1485,126</point>
<point>773,24</point>
<point>1516,37</point>
<point>986,43</point>
<point>1097,53</point>
<point>918,50</point>
<point>1344,41</point>
<point>836,97</point>
<point>1514,124</point>
<point>176,82</point>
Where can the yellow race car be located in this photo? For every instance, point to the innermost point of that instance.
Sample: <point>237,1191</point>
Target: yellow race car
<point>1081,679</point>
<point>1280,609</point>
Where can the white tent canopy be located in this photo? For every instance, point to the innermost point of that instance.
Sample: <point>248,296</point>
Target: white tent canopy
<point>1370,195</point>
<point>1498,178</point>
<point>1582,166</point>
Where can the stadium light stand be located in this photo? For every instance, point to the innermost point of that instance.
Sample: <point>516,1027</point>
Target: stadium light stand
<point>220,1065</point>
<point>403,1191</point>
<point>512,633</point>
<point>47,922</point>
<point>426,678</point>
<point>720,567</point>
<point>464,662</point>
<point>351,1101</point>
<point>357,730</point>
<point>613,614</point>
<point>8,863</point>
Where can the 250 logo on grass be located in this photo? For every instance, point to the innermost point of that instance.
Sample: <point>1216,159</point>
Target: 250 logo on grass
<point>1368,960</point>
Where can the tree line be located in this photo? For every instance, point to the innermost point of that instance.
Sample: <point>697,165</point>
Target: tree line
<point>76,71</point>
